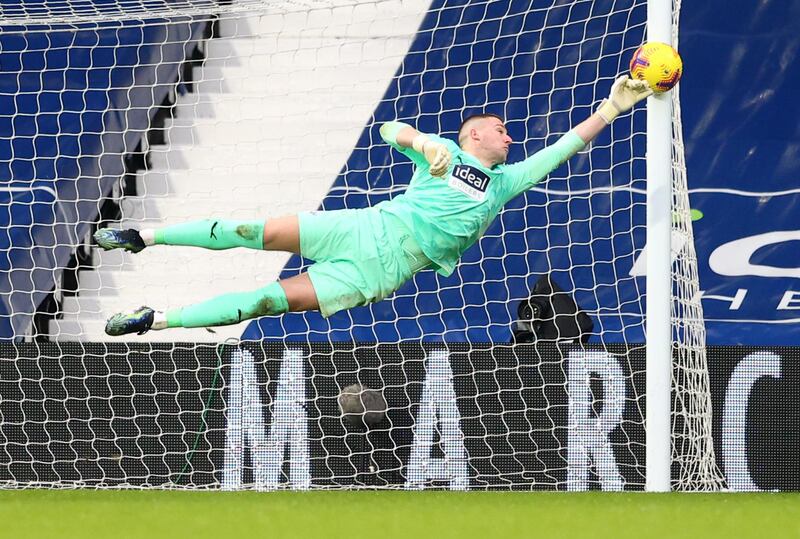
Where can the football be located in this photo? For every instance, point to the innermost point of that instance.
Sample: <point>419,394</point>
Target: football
<point>658,64</point>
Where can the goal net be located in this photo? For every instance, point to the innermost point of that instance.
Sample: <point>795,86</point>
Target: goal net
<point>524,369</point>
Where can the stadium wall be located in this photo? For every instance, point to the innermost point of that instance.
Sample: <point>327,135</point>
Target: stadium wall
<point>265,415</point>
<point>74,104</point>
<point>742,172</point>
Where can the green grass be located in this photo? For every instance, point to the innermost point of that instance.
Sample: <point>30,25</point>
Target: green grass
<point>383,515</point>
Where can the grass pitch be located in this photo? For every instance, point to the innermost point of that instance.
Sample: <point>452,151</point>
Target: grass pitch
<point>410,515</point>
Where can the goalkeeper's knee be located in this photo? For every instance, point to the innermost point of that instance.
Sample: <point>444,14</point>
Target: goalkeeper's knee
<point>268,301</point>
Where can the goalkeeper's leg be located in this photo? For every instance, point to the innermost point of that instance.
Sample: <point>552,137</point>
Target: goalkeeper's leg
<point>281,234</point>
<point>294,294</point>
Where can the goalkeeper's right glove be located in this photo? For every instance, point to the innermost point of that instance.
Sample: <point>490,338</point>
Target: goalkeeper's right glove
<point>436,153</point>
<point>625,93</point>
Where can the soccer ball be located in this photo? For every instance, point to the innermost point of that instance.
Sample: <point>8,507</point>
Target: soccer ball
<point>658,64</point>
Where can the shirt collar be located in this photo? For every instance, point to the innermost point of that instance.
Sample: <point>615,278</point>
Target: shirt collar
<point>467,158</point>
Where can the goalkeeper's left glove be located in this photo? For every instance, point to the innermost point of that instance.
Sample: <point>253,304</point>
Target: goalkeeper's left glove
<point>625,93</point>
<point>436,153</point>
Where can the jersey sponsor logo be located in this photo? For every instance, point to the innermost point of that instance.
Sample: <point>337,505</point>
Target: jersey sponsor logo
<point>470,181</point>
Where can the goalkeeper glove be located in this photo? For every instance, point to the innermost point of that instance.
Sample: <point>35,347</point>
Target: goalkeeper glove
<point>436,153</point>
<point>625,93</point>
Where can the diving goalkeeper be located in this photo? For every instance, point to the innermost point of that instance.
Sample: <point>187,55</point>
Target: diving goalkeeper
<point>364,255</point>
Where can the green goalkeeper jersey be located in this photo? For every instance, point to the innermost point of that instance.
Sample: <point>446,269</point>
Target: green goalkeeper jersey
<point>447,215</point>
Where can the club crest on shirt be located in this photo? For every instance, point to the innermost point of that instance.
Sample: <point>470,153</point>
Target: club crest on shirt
<point>470,181</point>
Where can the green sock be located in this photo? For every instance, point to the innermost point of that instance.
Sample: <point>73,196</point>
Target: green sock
<point>231,308</point>
<point>213,234</point>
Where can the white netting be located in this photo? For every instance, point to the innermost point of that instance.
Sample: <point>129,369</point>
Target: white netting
<point>693,445</point>
<point>81,12</point>
<point>148,114</point>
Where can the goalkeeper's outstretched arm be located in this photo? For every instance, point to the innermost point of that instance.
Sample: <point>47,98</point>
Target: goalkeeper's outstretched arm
<point>625,93</point>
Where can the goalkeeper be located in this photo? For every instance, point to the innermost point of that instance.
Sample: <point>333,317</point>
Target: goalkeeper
<point>363,255</point>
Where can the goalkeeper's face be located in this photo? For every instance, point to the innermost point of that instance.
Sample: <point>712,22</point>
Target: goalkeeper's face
<point>491,140</point>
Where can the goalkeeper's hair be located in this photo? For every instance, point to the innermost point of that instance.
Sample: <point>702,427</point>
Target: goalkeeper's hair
<point>465,125</point>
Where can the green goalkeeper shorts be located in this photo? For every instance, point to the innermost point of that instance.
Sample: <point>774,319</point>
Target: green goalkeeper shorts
<point>361,255</point>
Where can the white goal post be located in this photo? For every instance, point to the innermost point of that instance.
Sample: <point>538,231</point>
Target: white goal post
<point>147,114</point>
<point>659,265</point>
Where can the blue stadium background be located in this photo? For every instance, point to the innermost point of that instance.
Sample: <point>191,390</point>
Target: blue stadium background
<point>67,118</point>
<point>70,131</point>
